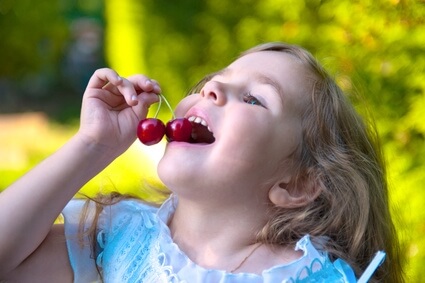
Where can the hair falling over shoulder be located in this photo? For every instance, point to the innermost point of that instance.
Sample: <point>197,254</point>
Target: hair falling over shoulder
<point>340,154</point>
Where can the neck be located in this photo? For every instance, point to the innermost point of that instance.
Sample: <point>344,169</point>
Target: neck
<point>217,236</point>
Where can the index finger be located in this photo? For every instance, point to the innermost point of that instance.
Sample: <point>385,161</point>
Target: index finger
<point>145,84</point>
<point>103,76</point>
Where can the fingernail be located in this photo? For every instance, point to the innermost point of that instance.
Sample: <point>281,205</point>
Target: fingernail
<point>134,97</point>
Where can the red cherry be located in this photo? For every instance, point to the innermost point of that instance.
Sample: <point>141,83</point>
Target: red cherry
<point>179,129</point>
<point>150,131</point>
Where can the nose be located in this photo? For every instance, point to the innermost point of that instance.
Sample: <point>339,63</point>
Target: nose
<point>215,91</point>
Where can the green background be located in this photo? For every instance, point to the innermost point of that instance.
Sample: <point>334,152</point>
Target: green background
<point>375,50</point>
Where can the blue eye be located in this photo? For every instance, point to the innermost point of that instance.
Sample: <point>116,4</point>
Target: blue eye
<point>250,99</point>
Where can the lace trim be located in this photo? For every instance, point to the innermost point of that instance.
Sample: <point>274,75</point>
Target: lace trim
<point>130,250</point>
<point>136,247</point>
<point>322,272</point>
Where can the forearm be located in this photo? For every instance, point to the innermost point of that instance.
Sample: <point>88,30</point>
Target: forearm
<point>111,109</point>
<point>30,205</point>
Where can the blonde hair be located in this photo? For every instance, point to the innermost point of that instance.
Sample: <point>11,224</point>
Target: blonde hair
<point>340,154</point>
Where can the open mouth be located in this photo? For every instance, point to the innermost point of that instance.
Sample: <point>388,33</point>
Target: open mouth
<point>201,132</point>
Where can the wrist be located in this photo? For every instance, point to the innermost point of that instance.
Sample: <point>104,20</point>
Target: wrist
<point>93,149</point>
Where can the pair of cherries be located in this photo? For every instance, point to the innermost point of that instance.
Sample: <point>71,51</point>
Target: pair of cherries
<point>150,131</point>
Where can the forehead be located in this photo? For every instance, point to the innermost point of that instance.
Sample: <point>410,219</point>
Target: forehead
<point>273,64</point>
<point>283,69</point>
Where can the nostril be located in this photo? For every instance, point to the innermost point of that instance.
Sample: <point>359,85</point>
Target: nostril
<point>214,91</point>
<point>213,95</point>
<point>209,94</point>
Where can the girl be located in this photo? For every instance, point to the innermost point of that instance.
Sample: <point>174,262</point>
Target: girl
<point>284,183</point>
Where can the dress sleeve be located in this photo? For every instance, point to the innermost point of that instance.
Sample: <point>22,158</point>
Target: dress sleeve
<point>79,248</point>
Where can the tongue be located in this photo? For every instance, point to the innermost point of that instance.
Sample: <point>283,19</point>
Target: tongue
<point>200,134</point>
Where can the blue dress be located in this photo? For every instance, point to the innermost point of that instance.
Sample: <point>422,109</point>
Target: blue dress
<point>136,246</point>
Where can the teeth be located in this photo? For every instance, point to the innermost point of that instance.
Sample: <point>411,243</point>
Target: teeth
<point>199,120</point>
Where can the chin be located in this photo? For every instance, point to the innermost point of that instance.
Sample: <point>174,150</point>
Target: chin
<point>171,174</point>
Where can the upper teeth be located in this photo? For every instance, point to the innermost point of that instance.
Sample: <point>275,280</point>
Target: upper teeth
<point>199,120</point>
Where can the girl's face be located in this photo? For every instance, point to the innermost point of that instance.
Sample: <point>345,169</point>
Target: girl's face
<point>252,109</point>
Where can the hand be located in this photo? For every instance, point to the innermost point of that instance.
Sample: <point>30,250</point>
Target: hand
<point>112,107</point>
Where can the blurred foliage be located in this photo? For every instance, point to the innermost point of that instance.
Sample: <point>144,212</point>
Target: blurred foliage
<point>375,49</point>
<point>48,51</point>
<point>26,139</point>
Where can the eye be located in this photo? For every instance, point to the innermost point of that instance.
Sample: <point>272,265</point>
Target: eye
<point>250,99</point>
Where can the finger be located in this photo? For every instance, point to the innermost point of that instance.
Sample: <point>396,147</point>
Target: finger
<point>144,102</point>
<point>101,77</point>
<point>144,84</point>
<point>127,90</point>
<point>111,88</point>
<point>157,88</point>
<point>124,89</point>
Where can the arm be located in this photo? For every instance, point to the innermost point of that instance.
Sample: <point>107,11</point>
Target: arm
<point>50,262</point>
<point>111,109</point>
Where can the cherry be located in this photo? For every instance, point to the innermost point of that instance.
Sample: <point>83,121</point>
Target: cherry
<point>150,131</point>
<point>179,130</point>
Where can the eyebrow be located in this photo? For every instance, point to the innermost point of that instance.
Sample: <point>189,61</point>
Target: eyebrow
<point>267,80</point>
<point>261,78</point>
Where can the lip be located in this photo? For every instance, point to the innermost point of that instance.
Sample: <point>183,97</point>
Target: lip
<point>194,111</point>
<point>201,146</point>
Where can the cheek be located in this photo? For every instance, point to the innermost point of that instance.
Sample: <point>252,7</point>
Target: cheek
<point>248,136</point>
<point>289,139</point>
<point>265,139</point>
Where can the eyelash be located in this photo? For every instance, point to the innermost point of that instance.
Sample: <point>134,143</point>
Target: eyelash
<point>250,99</point>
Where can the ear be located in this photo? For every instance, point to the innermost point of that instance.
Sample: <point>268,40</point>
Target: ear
<point>288,196</point>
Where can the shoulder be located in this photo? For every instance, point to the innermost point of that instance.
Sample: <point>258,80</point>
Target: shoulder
<point>127,215</point>
<point>129,206</point>
<point>127,232</point>
<point>76,208</point>
<point>307,262</point>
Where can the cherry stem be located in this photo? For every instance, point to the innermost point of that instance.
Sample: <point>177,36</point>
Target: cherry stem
<point>162,97</point>
<point>159,105</point>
